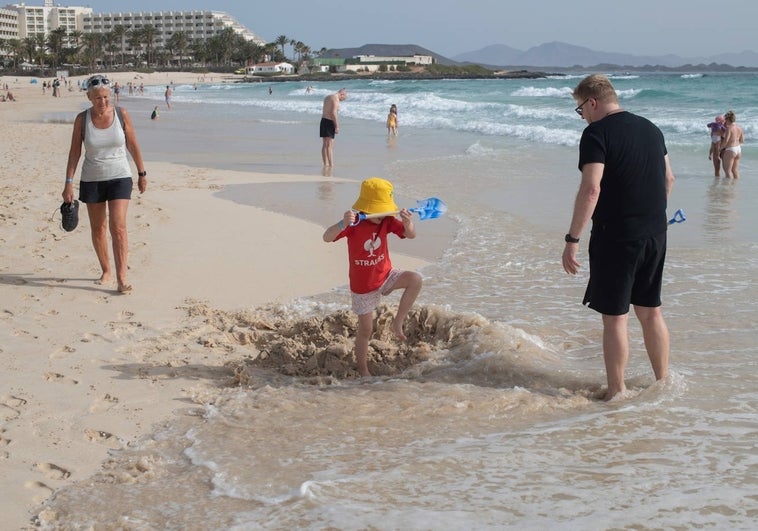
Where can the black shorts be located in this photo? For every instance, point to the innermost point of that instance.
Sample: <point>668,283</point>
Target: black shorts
<point>102,191</point>
<point>327,129</point>
<point>624,273</point>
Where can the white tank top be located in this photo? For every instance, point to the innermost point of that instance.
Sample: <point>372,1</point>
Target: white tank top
<point>104,151</point>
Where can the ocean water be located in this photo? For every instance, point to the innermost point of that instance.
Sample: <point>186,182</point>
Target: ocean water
<point>487,418</point>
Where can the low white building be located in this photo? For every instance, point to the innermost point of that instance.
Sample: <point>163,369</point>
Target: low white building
<point>408,60</point>
<point>270,68</point>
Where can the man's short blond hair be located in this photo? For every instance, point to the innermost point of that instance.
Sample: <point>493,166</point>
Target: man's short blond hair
<point>596,86</point>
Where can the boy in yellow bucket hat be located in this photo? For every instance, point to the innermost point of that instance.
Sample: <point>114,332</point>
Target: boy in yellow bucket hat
<point>371,272</point>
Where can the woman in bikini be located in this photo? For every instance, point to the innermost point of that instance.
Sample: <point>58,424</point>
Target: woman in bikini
<point>717,129</point>
<point>731,152</point>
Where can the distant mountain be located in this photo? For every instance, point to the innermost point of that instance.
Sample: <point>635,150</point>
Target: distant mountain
<point>496,54</point>
<point>387,50</point>
<point>563,55</point>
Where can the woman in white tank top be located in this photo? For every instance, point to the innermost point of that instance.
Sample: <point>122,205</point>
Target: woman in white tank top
<point>106,178</point>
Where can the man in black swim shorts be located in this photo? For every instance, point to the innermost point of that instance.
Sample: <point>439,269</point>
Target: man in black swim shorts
<point>329,126</point>
<point>627,248</point>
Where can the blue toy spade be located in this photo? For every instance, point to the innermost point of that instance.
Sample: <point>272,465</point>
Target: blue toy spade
<point>429,208</point>
<point>678,217</point>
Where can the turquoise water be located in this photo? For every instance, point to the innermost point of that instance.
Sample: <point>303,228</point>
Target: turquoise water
<point>498,428</point>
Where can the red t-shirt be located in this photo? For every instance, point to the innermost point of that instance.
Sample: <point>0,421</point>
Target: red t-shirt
<point>368,252</point>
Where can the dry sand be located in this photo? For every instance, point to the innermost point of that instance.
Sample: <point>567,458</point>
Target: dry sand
<point>76,380</point>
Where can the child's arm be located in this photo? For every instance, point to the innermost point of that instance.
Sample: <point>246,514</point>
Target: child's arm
<point>407,218</point>
<point>333,230</point>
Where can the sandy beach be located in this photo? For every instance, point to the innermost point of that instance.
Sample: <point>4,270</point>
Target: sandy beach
<point>75,382</point>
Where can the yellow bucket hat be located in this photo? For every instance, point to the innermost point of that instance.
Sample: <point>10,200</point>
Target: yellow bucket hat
<point>376,197</point>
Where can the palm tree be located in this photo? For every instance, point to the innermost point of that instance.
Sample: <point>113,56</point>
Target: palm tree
<point>54,43</point>
<point>149,33</point>
<point>177,44</point>
<point>200,52</point>
<point>16,49</point>
<point>109,44</point>
<point>119,32</point>
<point>92,48</point>
<point>281,40</point>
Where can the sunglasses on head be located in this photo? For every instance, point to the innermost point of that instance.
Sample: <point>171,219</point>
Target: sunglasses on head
<point>97,81</point>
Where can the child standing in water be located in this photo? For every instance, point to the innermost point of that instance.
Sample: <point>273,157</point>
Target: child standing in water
<point>371,272</point>
<point>154,114</point>
<point>392,121</point>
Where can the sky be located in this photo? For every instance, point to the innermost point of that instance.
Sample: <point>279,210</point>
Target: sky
<point>688,28</point>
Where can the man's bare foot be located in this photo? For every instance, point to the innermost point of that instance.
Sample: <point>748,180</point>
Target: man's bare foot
<point>397,329</point>
<point>105,278</point>
<point>124,288</point>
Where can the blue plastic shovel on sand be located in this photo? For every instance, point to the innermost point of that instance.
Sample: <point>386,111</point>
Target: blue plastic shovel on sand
<point>429,208</point>
<point>678,217</point>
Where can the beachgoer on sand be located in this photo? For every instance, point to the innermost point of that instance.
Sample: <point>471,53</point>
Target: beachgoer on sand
<point>106,182</point>
<point>370,269</point>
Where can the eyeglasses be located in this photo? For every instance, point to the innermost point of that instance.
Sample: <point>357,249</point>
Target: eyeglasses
<point>579,109</point>
<point>97,81</point>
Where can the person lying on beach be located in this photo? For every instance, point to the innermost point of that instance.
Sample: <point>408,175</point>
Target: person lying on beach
<point>371,272</point>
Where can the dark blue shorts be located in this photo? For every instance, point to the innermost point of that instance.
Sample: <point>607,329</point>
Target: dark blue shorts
<point>624,273</point>
<point>102,191</point>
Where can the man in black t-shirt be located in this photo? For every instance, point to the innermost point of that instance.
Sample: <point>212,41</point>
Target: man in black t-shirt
<point>626,181</point>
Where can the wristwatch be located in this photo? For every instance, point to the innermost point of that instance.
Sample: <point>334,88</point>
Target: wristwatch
<point>142,173</point>
<point>570,239</point>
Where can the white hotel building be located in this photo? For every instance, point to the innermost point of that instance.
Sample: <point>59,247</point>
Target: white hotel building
<point>198,25</point>
<point>35,20</point>
<point>20,21</point>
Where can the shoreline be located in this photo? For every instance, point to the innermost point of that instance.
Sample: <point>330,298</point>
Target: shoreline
<point>77,384</point>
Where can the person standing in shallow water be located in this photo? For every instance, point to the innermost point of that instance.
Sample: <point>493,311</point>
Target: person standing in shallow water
<point>717,129</point>
<point>392,121</point>
<point>731,146</point>
<point>329,126</point>
<point>627,155</point>
<point>371,273</point>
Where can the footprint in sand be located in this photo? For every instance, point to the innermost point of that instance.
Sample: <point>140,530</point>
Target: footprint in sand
<point>57,377</point>
<point>41,491</point>
<point>52,471</point>
<point>103,404</point>
<point>10,407</point>
<point>4,442</point>
<point>102,437</point>
<point>62,352</point>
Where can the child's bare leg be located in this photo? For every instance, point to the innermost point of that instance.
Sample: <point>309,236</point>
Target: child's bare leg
<point>411,282</point>
<point>362,336</point>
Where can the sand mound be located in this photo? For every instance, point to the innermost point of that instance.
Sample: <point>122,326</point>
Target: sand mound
<point>322,345</point>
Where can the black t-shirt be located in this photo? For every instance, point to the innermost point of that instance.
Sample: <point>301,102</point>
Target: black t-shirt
<point>632,202</point>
